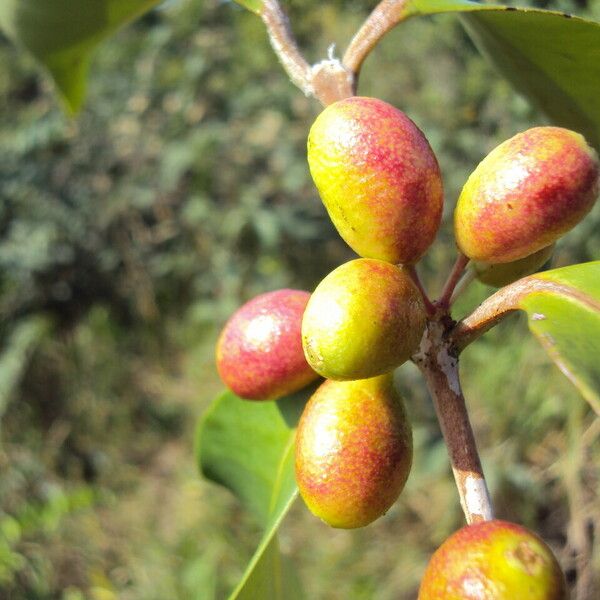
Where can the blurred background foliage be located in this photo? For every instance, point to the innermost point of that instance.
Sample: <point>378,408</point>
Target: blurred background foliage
<point>129,235</point>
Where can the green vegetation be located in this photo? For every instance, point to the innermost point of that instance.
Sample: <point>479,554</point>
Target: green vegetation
<point>132,233</point>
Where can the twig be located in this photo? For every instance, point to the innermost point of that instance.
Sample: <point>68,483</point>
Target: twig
<point>464,282</point>
<point>498,306</point>
<point>457,270</point>
<point>285,46</point>
<point>328,80</point>
<point>429,306</point>
<point>385,16</point>
<point>439,364</point>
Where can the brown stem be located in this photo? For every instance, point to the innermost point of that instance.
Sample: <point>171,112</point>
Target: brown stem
<point>502,303</point>
<point>429,306</point>
<point>328,80</point>
<point>438,362</point>
<point>332,81</point>
<point>457,270</point>
<point>385,16</point>
<point>285,46</point>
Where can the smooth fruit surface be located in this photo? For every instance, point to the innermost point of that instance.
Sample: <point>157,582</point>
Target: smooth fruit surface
<point>353,450</point>
<point>493,560</point>
<point>525,194</point>
<point>259,351</point>
<point>364,319</point>
<point>378,178</point>
<point>501,274</point>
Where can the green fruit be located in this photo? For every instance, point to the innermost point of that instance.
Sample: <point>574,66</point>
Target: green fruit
<point>364,319</point>
<point>259,352</point>
<point>525,194</point>
<point>378,178</point>
<point>493,560</point>
<point>501,274</point>
<point>353,451</point>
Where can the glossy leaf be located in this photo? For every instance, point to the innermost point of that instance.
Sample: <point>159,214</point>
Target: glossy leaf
<point>566,320</point>
<point>563,308</point>
<point>251,5</point>
<point>248,447</point>
<point>551,58</point>
<point>62,34</point>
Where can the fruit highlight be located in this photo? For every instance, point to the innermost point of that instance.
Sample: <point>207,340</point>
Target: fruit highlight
<point>377,177</point>
<point>353,451</point>
<point>493,560</point>
<point>259,352</point>
<point>525,194</point>
<point>364,319</point>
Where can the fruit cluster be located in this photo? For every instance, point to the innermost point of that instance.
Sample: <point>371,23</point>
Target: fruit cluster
<point>381,184</point>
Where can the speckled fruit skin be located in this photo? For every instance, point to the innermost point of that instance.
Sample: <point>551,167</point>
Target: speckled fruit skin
<point>378,178</point>
<point>353,451</point>
<point>494,560</point>
<point>259,352</point>
<point>525,194</point>
<point>364,319</point>
<point>501,274</point>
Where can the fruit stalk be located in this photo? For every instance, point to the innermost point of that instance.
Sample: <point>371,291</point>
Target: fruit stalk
<point>457,270</point>
<point>429,306</point>
<point>438,362</point>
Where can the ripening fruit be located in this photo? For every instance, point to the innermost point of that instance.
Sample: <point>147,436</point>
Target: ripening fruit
<point>501,274</point>
<point>378,178</point>
<point>525,194</point>
<point>259,352</point>
<point>353,451</point>
<point>493,560</point>
<point>364,319</point>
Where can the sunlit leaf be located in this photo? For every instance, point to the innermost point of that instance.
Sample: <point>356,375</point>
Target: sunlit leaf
<point>248,447</point>
<point>551,58</point>
<point>62,34</point>
<point>563,308</point>
<point>252,5</point>
<point>566,320</point>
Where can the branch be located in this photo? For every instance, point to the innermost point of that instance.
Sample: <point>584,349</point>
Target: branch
<point>285,46</point>
<point>492,310</point>
<point>439,364</point>
<point>385,16</point>
<point>328,80</point>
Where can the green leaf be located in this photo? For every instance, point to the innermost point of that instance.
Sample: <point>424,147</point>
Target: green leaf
<point>251,5</point>
<point>564,314</point>
<point>269,575</point>
<point>550,57</point>
<point>62,34</point>
<point>248,447</point>
<point>563,308</point>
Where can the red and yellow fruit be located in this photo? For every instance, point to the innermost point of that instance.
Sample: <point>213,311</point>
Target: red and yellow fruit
<point>525,194</point>
<point>259,351</point>
<point>377,177</point>
<point>364,319</point>
<point>493,560</point>
<point>353,451</point>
